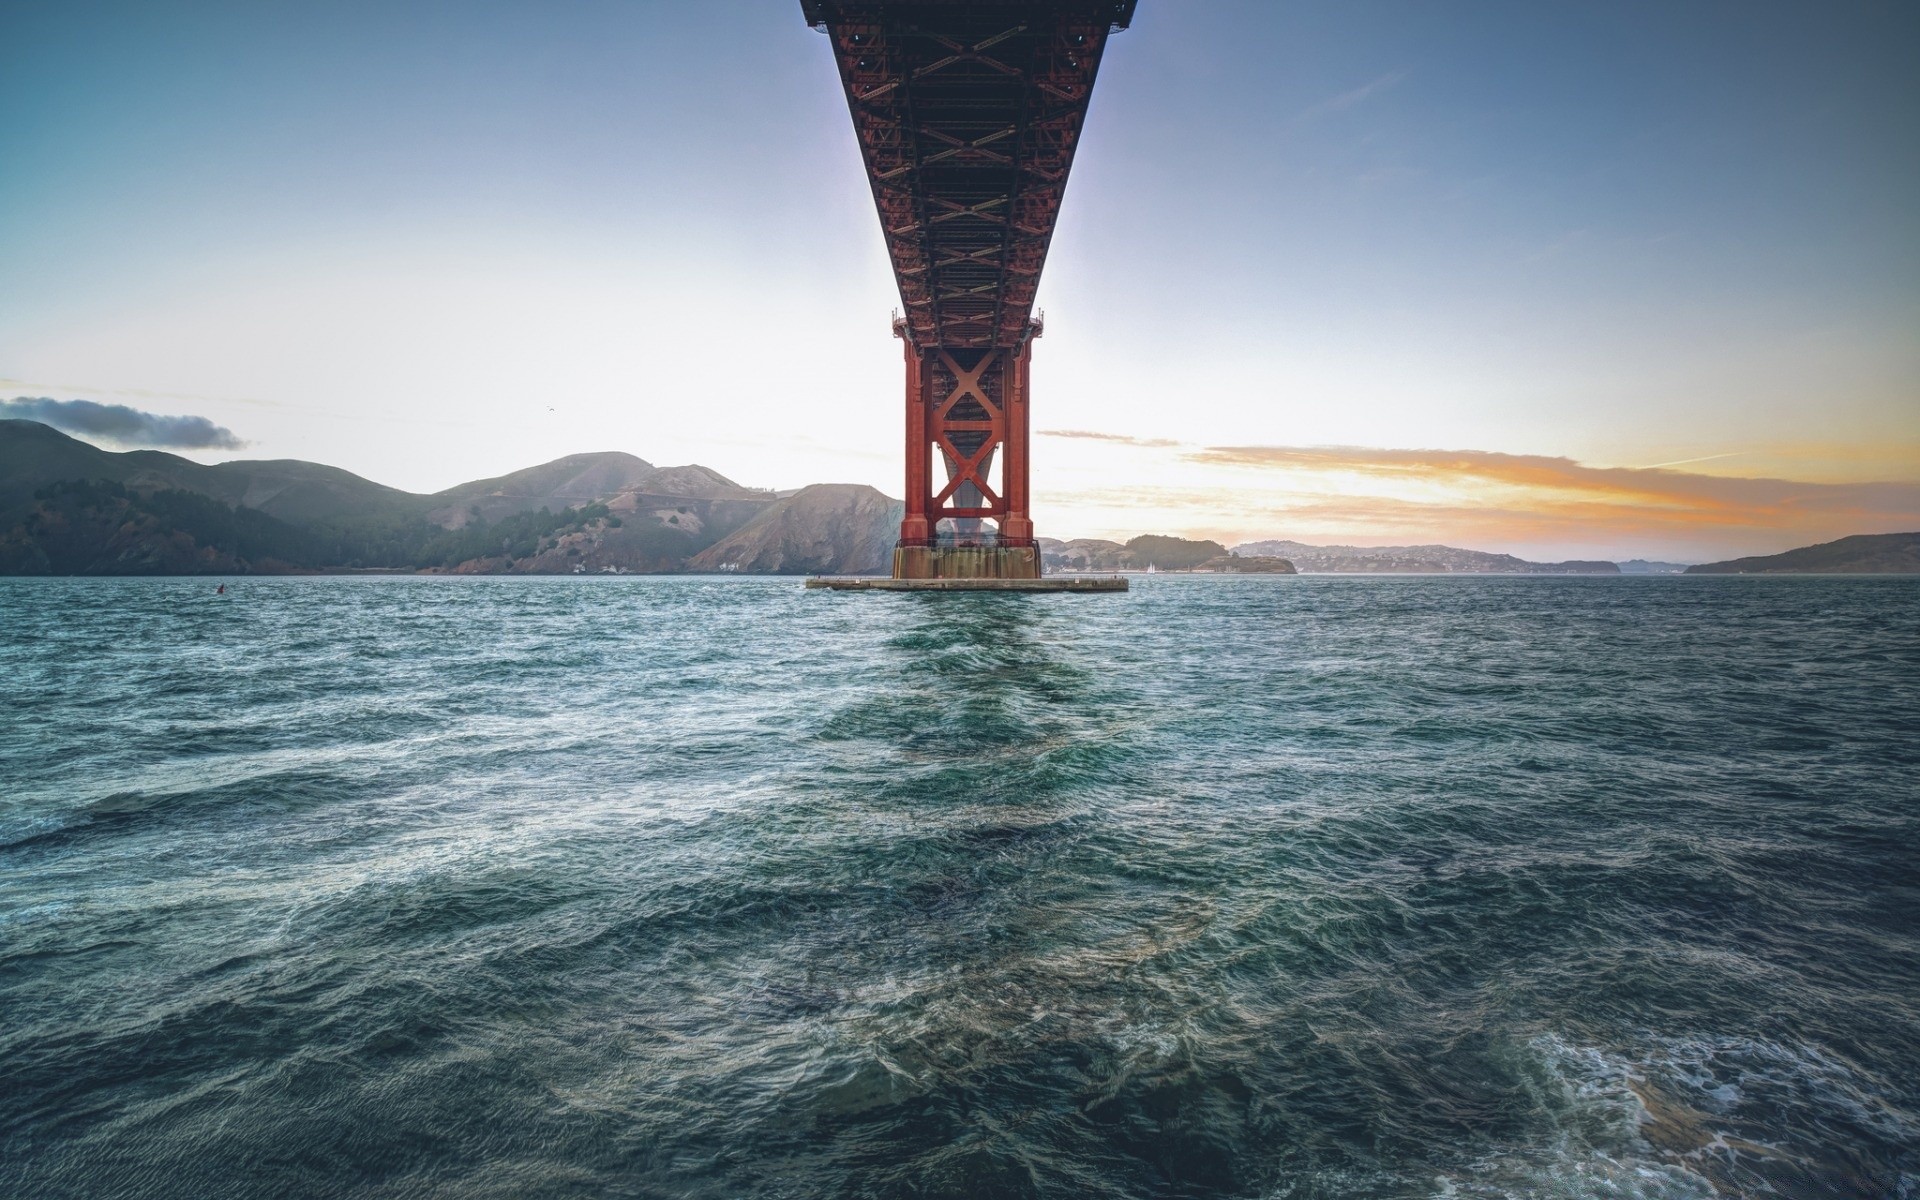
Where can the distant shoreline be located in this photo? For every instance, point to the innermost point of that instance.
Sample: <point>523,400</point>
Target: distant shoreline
<point>385,573</point>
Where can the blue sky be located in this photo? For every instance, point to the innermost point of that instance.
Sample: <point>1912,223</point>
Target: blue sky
<point>430,242</point>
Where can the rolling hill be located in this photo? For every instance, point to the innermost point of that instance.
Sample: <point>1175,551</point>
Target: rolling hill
<point>67,507</point>
<point>842,528</point>
<point>1862,554</point>
<point>1414,560</point>
<point>33,456</point>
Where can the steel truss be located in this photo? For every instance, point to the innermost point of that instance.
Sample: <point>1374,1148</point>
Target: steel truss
<point>968,113</point>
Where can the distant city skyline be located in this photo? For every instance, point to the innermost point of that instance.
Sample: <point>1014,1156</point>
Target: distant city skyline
<point>1595,281</point>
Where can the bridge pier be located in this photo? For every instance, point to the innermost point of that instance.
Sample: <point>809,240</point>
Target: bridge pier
<point>967,117</point>
<point>967,409</point>
<point>966,562</point>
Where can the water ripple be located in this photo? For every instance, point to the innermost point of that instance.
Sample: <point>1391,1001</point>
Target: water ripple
<point>1292,887</point>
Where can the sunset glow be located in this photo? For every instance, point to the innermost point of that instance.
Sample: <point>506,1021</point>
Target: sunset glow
<point>429,250</point>
<point>1521,504</point>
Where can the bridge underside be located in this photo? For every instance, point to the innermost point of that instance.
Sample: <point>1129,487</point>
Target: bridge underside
<point>967,113</point>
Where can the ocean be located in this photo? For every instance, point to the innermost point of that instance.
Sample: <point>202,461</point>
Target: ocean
<point>1305,887</point>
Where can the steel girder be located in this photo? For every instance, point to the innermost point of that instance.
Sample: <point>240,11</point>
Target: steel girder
<point>968,113</point>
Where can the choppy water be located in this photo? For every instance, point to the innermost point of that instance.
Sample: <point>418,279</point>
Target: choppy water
<point>1308,887</point>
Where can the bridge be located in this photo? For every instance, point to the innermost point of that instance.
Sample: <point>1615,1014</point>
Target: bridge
<point>968,113</point>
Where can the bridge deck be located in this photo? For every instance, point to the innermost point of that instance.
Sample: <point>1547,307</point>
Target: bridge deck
<point>968,115</point>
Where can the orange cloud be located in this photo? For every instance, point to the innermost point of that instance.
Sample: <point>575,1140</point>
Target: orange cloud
<point>1568,487</point>
<point>1118,438</point>
<point>1520,502</point>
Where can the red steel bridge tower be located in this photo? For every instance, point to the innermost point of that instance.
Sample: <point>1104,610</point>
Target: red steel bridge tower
<point>968,113</point>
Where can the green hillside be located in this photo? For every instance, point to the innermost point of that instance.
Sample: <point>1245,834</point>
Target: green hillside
<point>33,456</point>
<point>67,507</point>
<point>1862,554</point>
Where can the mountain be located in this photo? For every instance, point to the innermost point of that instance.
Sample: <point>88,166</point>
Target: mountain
<point>1413,560</point>
<point>1640,566</point>
<point>99,527</point>
<point>33,455</point>
<point>1148,550</point>
<point>1172,553</point>
<point>693,500</point>
<point>694,481</point>
<point>1235,564</point>
<point>1862,554</point>
<point>563,483</point>
<point>67,507</point>
<point>839,528</point>
<point>302,491</point>
<point>1084,554</point>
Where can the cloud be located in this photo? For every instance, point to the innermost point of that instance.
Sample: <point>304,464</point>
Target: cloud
<point>1537,506</point>
<point>1119,438</point>
<point>118,423</point>
<point>1349,98</point>
<point>1543,484</point>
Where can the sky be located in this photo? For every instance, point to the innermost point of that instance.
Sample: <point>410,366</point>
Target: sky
<point>1594,280</point>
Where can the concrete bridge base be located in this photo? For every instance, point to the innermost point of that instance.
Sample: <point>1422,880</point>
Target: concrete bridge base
<point>966,562</point>
<point>1056,583</point>
<point>969,569</point>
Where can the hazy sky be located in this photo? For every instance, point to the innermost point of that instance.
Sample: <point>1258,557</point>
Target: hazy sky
<point>1350,271</point>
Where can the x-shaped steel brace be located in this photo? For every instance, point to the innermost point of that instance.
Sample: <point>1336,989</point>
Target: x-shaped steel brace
<point>977,257</point>
<point>977,147</point>
<point>961,293</point>
<point>968,467</point>
<point>965,53</point>
<point>966,383</point>
<point>968,210</point>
